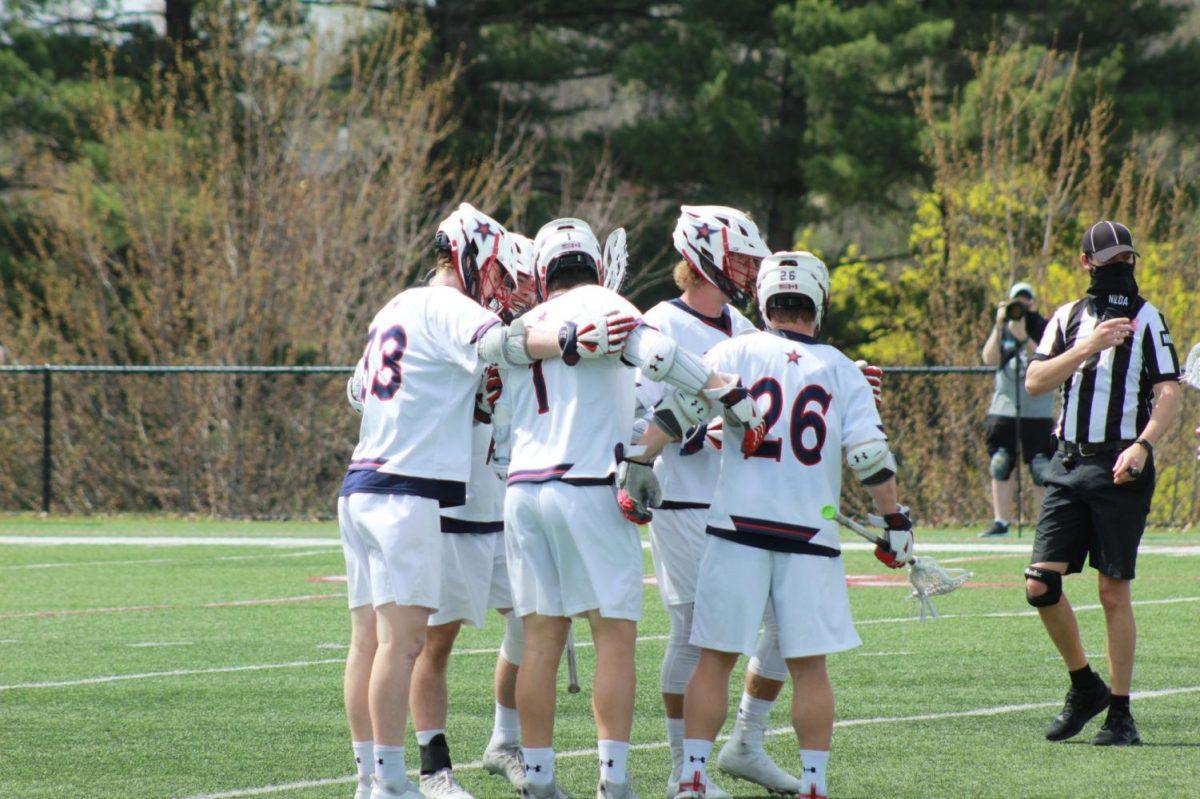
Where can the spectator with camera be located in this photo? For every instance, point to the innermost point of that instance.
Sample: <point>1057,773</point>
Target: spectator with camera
<point>1013,413</point>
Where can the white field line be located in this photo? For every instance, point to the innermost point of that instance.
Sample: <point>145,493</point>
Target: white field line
<point>995,710</point>
<point>148,644</point>
<point>65,564</point>
<point>168,541</point>
<point>486,651</point>
<point>282,600</point>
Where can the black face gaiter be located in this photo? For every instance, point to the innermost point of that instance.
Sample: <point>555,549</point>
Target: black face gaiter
<point>1113,290</point>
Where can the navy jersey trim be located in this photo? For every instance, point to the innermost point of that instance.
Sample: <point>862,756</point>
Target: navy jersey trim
<point>774,543</point>
<point>792,335</point>
<point>670,504</point>
<point>448,493</point>
<point>539,475</point>
<point>450,525</point>
<point>485,327</point>
<point>724,322</point>
<point>589,481</point>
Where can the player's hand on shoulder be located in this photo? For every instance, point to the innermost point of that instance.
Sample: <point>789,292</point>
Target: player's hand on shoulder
<point>637,488</point>
<point>874,375</point>
<point>897,535</point>
<point>741,413</point>
<point>598,335</point>
<point>488,394</point>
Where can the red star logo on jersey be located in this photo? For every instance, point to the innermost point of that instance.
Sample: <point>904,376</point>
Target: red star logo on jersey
<point>793,357</point>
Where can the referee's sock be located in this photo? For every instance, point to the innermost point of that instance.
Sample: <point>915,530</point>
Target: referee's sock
<point>1118,705</point>
<point>1084,679</point>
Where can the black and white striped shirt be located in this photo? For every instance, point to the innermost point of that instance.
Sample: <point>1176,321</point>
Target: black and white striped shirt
<point>1109,397</point>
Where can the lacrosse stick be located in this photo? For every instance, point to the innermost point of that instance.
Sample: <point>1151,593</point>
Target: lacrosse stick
<point>927,577</point>
<point>1191,369</point>
<point>616,259</point>
<point>572,666</point>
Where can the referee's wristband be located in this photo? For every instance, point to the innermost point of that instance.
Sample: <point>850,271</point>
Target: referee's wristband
<point>1145,445</point>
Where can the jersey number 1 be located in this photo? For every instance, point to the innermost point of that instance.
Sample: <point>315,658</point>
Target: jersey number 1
<point>803,419</point>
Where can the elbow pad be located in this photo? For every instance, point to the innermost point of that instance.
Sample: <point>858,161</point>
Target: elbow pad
<point>872,462</point>
<point>661,359</point>
<point>679,411</point>
<point>504,345</point>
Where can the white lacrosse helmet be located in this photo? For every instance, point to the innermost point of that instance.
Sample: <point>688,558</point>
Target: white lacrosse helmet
<point>482,258</point>
<point>564,243</point>
<point>723,245</point>
<point>796,273</point>
<point>518,297</point>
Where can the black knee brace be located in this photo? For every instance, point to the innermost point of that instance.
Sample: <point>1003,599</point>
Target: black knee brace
<point>1053,583</point>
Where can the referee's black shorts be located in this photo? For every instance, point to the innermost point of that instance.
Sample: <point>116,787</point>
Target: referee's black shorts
<point>1086,516</point>
<point>1037,436</point>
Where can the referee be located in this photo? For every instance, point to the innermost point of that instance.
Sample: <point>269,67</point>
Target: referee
<point>1112,355</point>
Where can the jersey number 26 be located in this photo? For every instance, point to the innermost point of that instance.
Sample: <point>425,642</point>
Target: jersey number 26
<point>803,419</point>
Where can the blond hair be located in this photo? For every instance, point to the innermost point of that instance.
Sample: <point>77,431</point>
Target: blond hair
<point>686,277</point>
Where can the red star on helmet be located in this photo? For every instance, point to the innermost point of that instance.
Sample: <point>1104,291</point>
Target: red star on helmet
<point>793,357</point>
<point>483,229</point>
<point>704,231</point>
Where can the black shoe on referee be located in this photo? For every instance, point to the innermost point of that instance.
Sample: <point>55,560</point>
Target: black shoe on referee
<point>1118,729</point>
<point>1082,706</point>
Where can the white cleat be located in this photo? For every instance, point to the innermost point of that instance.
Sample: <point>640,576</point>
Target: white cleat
<point>442,785</point>
<point>711,790</point>
<point>549,791</point>
<point>405,791</point>
<point>505,761</point>
<point>752,763</point>
<point>363,789</point>
<point>615,790</point>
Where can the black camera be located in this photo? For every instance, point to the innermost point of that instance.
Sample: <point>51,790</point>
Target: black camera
<point>1015,310</point>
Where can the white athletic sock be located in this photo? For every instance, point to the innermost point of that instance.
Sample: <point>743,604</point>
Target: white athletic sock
<point>389,766</point>
<point>675,741</point>
<point>753,713</point>
<point>425,736</point>
<point>814,762</point>
<point>696,752</point>
<point>506,726</point>
<point>539,765</point>
<point>1002,521</point>
<point>614,761</point>
<point>364,758</point>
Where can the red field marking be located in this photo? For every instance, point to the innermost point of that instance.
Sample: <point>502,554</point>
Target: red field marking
<point>332,578</point>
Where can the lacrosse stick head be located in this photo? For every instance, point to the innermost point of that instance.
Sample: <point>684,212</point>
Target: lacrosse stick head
<point>929,579</point>
<point>616,260</point>
<point>1191,368</point>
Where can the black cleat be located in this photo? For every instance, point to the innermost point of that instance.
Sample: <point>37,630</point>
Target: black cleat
<point>1080,708</point>
<point>997,530</point>
<point>1118,730</point>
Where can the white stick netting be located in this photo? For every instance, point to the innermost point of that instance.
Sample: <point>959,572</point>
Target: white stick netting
<point>929,579</point>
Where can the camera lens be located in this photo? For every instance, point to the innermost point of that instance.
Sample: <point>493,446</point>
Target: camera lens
<point>1015,310</point>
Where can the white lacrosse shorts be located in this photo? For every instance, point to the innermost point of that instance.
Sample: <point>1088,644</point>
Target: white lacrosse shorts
<point>468,566</point>
<point>500,595</point>
<point>570,551</point>
<point>807,592</point>
<point>393,549</point>
<point>677,541</point>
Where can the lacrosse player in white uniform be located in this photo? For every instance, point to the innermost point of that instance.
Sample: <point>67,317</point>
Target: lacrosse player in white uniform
<point>475,578</point>
<point>571,552</point>
<point>416,386</point>
<point>768,545</point>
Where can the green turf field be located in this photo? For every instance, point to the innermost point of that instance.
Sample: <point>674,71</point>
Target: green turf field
<point>140,668</point>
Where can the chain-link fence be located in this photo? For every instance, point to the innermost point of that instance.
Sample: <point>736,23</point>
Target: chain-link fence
<point>252,441</point>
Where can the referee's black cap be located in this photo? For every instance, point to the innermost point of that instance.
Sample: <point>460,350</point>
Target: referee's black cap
<point>1106,240</point>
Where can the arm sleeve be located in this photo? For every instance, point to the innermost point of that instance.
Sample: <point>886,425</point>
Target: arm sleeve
<point>860,417</point>
<point>461,322</point>
<point>1052,343</point>
<point>1159,359</point>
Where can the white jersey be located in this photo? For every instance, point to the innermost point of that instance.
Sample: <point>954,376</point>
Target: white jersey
<point>421,372</point>
<point>483,512</point>
<point>687,474</point>
<point>816,403</point>
<point>566,420</point>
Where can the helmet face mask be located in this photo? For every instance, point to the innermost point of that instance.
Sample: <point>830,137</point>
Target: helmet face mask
<point>479,251</point>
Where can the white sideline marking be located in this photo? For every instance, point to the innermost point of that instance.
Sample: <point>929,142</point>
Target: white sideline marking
<point>1005,614</point>
<point>168,541</point>
<point>147,644</point>
<point>64,564</point>
<point>950,714</point>
<point>880,654</point>
<point>283,600</point>
<point>295,664</point>
<point>10,640</point>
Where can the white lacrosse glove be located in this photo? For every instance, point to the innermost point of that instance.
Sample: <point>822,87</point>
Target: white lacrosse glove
<point>488,394</point>
<point>595,336</point>
<point>354,389</point>
<point>898,535</point>
<point>637,488</point>
<point>742,415</point>
<point>701,437</point>
<point>501,453</point>
<point>874,375</point>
